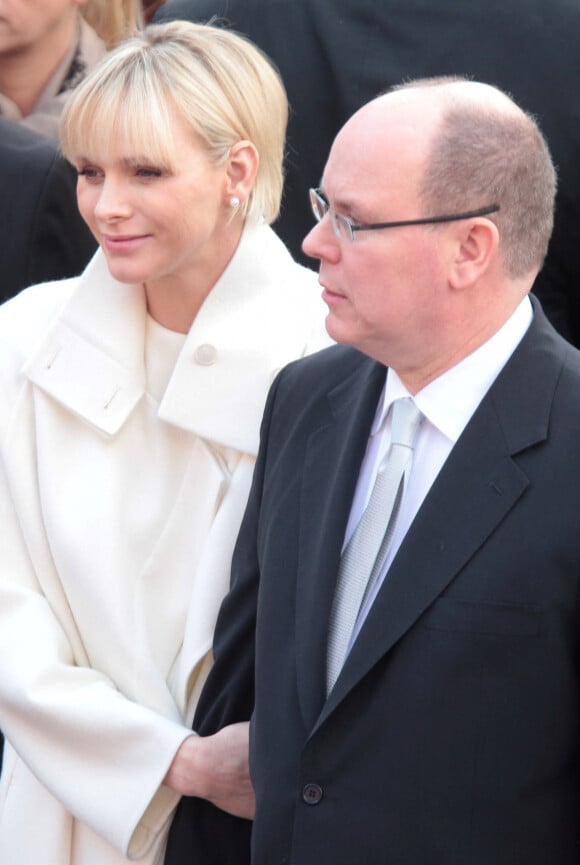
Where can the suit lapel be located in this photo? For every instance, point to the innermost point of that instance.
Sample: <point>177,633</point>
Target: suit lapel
<point>333,456</point>
<point>477,487</point>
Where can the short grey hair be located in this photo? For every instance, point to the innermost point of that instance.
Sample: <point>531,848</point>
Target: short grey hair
<point>489,151</point>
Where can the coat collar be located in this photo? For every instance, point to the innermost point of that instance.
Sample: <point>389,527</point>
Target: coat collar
<point>251,324</point>
<point>91,360</point>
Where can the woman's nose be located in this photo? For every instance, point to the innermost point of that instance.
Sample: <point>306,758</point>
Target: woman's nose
<point>113,201</point>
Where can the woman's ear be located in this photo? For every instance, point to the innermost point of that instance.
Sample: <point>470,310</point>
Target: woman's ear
<point>477,249</point>
<point>241,170</point>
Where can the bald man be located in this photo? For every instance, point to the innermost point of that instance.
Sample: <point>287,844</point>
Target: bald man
<point>444,729</point>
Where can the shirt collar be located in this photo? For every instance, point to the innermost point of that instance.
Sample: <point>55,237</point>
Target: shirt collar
<point>450,400</point>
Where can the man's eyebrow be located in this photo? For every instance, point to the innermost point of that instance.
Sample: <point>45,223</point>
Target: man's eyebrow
<point>344,205</point>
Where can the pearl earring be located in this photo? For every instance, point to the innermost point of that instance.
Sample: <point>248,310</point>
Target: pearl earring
<point>234,201</point>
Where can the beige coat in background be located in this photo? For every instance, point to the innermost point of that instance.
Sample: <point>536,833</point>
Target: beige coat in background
<point>82,56</point>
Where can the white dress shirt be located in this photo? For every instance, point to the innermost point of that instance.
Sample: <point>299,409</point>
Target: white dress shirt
<point>447,403</point>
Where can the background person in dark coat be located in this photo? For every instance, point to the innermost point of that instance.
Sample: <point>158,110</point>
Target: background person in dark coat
<point>42,235</point>
<point>335,55</point>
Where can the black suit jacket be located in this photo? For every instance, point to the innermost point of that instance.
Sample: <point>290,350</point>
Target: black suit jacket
<point>42,235</point>
<point>335,55</point>
<point>452,734</point>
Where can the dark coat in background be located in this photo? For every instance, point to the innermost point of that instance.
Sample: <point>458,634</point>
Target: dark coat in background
<point>335,55</point>
<point>42,235</point>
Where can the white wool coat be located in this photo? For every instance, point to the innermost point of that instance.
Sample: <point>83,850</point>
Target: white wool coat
<point>106,618</point>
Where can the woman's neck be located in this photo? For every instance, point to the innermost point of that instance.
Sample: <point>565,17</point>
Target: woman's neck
<point>175,301</point>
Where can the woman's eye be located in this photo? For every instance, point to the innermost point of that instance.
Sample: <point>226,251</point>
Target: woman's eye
<point>89,173</point>
<point>146,172</point>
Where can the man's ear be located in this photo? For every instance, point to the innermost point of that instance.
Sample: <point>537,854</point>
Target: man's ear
<point>476,251</point>
<point>241,170</point>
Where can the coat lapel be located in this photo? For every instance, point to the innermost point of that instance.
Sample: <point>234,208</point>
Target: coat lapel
<point>477,487</point>
<point>91,359</point>
<point>334,453</point>
<point>252,325</point>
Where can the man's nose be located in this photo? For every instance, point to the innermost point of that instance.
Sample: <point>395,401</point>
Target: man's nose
<point>321,242</point>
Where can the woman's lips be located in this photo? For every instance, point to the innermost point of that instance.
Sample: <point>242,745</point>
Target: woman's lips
<point>123,242</point>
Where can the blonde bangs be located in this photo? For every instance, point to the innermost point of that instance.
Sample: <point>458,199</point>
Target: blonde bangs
<point>127,115</point>
<point>212,80</point>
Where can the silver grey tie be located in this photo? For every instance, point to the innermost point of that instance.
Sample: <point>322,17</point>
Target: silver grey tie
<point>365,552</point>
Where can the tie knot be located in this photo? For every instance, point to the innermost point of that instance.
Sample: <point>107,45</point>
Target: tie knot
<point>405,422</point>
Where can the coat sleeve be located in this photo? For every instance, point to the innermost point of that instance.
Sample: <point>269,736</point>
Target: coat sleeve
<point>101,755</point>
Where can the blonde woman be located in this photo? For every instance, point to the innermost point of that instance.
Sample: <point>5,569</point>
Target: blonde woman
<point>48,46</point>
<point>130,405</point>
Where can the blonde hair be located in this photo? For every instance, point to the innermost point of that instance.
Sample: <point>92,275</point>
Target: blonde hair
<point>220,84</point>
<point>113,20</point>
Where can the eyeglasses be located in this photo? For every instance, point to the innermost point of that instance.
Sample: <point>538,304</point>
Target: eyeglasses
<point>345,229</point>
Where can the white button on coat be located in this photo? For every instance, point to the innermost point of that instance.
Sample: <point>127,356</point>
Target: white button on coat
<point>205,354</point>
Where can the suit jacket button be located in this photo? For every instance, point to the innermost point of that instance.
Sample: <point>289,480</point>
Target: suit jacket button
<point>311,794</point>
